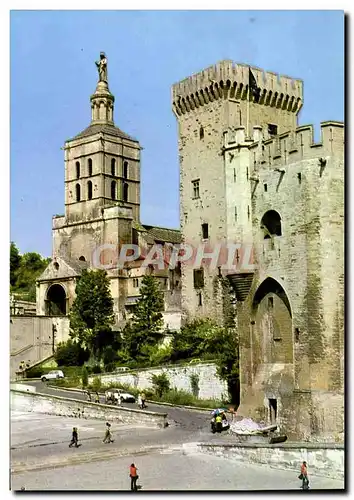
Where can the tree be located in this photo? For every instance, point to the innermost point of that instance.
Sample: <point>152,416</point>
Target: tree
<point>144,331</point>
<point>91,315</point>
<point>71,354</point>
<point>189,341</point>
<point>15,261</point>
<point>24,271</point>
<point>147,315</point>
<point>223,343</point>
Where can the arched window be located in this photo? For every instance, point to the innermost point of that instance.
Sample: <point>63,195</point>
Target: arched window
<point>89,190</point>
<point>113,190</point>
<point>78,192</point>
<point>113,167</point>
<point>125,191</point>
<point>125,170</point>
<point>82,258</point>
<point>77,170</point>
<point>89,164</point>
<point>271,224</point>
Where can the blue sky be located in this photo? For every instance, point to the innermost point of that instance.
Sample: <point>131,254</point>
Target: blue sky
<point>53,75</point>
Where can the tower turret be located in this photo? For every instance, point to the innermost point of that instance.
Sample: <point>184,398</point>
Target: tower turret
<point>102,101</point>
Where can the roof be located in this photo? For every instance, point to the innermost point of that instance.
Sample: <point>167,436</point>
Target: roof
<point>105,129</point>
<point>76,265</point>
<point>164,234</point>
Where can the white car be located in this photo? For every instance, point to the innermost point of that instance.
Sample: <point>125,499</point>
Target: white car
<point>111,396</point>
<point>54,374</point>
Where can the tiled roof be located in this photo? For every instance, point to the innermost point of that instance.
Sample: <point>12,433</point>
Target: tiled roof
<point>164,234</point>
<point>104,128</point>
<point>77,265</point>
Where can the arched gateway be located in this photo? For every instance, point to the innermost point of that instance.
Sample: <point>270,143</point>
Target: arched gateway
<point>56,301</point>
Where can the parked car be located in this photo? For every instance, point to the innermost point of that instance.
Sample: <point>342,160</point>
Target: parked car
<point>121,369</point>
<point>111,396</point>
<point>54,374</point>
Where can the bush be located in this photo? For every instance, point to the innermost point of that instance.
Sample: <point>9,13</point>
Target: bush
<point>110,367</point>
<point>161,384</point>
<point>35,372</point>
<point>194,379</point>
<point>71,354</point>
<point>84,377</point>
<point>96,384</point>
<point>96,369</point>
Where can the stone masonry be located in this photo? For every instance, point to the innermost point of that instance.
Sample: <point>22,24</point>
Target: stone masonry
<point>249,175</point>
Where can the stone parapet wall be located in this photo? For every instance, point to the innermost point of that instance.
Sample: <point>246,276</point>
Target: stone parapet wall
<point>322,460</point>
<point>210,386</point>
<point>56,405</point>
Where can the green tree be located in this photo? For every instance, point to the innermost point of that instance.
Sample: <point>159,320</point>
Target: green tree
<point>71,354</point>
<point>91,315</point>
<point>160,383</point>
<point>25,275</point>
<point>84,377</point>
<point>223,344</point>
<point>144,331</point>
<point>15,261</point>
<point>147,315</point>
<point>189,341</point>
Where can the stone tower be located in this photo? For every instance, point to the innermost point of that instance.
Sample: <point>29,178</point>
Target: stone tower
<point>215,199</point>
<point>102,170</point>
<point>251,177</point>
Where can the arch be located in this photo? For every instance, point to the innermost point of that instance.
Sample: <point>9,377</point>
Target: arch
<point>89,190</point>
<point>113,167</point>
<point>89,164</point>
<point>56,300</point>
<point>270,285</point>
<point>125,191</point>
<point>125,170</point>
<point>271,224</point>
<point>201,132</point>
<point>78,192</point>
<point>82,258</point>
<point>113,190</point>
<point>77,164</point>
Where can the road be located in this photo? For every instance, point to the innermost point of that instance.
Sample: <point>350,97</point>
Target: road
<point>166,458</point>
<point>188,420</point>
<point>39,465</point>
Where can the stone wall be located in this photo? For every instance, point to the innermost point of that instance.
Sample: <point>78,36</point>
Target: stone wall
<point>55,405</point>
<point>210,386</point>
<point>323,460</point>
<point>31,338</point>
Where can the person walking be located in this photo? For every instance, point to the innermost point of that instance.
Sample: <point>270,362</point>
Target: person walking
<point>143,399</point>
<point>97,398</point>
<point>108,435</point>
<point>133,477</point>
<point>74,438</point>
<point>304,476</point>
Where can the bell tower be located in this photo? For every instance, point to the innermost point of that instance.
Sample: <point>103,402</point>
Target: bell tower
<point>102,163</point>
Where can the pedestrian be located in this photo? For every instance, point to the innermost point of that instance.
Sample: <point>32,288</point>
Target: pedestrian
<point>133,477</point>
<point>88,396</point>
<point>97,398</point>
<point>108,435</point>
<point>140,402</point>
<point>304,476</point>
<point>143,399</point>
<point>74,438</point>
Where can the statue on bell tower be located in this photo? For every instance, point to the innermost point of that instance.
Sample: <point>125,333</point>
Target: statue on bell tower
<point>102,68</point>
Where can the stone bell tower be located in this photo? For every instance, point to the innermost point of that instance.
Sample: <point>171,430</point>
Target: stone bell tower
<point>102,163</point>
<point>102,181</point>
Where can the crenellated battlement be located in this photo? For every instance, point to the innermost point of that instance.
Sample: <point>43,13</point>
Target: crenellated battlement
<point>229,80</point>
<point>291,146</point>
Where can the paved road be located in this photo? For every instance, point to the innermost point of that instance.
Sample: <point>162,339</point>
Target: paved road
<point>190,420</point>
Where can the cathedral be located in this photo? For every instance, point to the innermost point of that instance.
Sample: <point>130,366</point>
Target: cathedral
<point>102,213</point>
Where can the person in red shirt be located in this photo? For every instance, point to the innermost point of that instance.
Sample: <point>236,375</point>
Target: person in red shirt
<point>133,477</point>
<point>304,476</point>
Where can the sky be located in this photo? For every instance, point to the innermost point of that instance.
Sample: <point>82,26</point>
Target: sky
<point>53,74</point>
